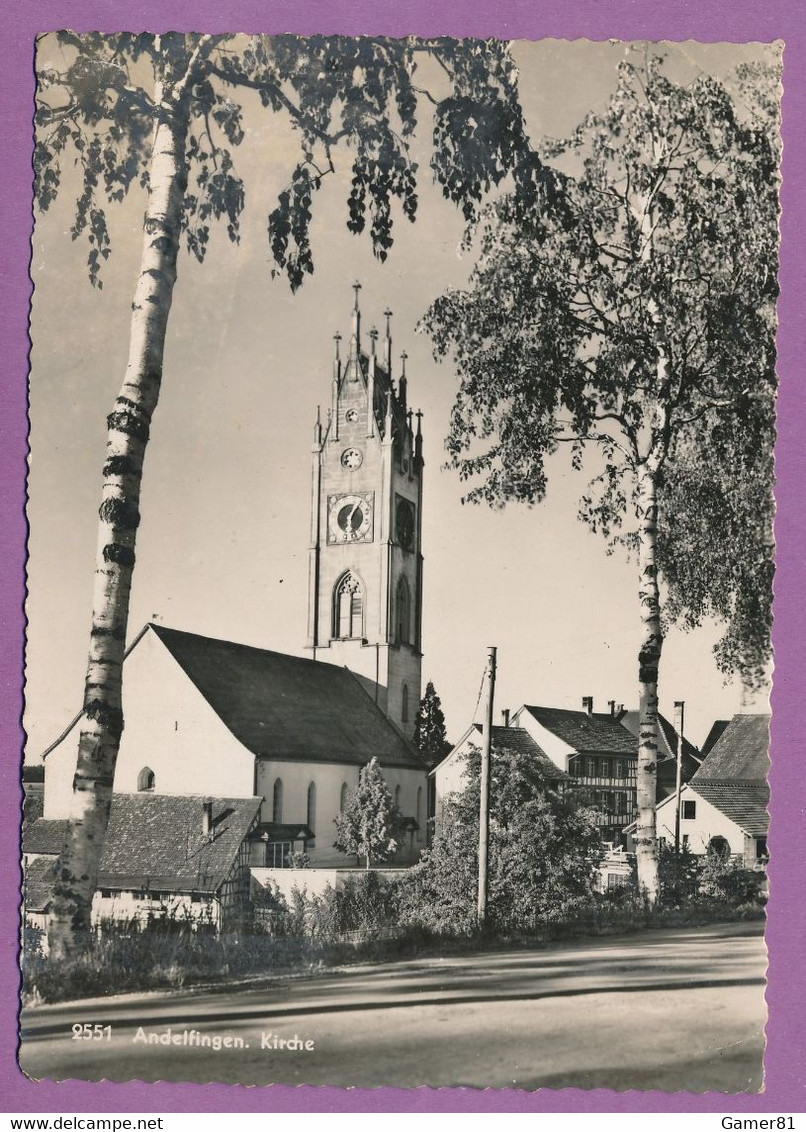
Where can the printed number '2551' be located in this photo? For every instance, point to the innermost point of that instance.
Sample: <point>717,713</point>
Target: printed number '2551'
<point>86,1032</point>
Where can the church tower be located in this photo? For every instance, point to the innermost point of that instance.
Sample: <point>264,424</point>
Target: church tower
<point>366,564</point>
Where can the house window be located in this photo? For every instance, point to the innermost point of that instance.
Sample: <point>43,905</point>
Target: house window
<point>343,798</point>
<point>348,607</point>
<point>397,796</point>
<point>145,779</point>
<point>404,706</point>
<point>761,849</point>
<point>689,809</point>
<point>403,613</point>
<point>311,819</point>
<point>277,801</point>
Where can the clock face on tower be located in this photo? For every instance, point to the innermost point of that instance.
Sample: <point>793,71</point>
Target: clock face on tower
<point>350,518</point>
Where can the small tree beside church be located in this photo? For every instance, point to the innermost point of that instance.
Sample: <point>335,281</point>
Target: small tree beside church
<point>429,727</point>
<point>370,823</point>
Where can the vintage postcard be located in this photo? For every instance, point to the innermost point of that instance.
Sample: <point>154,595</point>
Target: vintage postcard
<point>402,421</point>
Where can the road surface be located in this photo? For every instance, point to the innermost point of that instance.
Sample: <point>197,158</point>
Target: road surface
<point>671,1010</point>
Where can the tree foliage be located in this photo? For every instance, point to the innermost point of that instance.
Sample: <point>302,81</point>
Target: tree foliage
<point>543,850</point>
<point>337,91</point>
<point>623,304</point>
<point>370,824</point>
<point>650,233</point>
<point>429,727</point>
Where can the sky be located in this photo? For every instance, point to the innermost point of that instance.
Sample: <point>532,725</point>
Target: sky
<point>223,545</point>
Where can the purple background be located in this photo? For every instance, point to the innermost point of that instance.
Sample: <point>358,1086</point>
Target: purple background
<point>732,20</point>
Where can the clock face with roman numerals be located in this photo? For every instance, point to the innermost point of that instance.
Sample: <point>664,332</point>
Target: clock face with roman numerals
<point>350,518</point>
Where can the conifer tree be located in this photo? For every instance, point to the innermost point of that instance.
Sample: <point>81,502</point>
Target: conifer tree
<point>370,824</point>
<point>429,727</point>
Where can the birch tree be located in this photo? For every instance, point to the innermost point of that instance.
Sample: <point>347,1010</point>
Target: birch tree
<point>164,115</point>
<point>623,305</point>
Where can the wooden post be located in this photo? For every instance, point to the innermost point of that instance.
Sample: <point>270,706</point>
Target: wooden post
<point>679,709</point>
<point>484,801</point>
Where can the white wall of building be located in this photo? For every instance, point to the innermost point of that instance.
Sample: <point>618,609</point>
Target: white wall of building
<point>170,728</point>
<point>329,778</point>
<point>557,750</point>
<point>708,822</point>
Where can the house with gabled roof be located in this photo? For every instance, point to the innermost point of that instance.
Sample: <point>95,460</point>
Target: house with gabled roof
<point>597,753</point>
<point>212,717</point>
<point>450,775</point>
<point>723,808</point>
<point>184,858</point>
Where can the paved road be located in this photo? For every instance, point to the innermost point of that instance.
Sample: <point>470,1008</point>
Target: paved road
<point>666,1010</point>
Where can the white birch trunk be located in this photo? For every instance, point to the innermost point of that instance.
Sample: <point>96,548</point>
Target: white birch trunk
<point>129,424</point>
<point>646,847</point>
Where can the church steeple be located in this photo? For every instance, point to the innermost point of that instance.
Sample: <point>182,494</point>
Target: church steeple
<point>365,594</point>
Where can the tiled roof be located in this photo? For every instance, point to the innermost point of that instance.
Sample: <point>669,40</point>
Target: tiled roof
<point>586,733</point>
<point>44,836</point>
<point>287,707</point>
<point>155,841</point>
<point>740,752</point>
<point>39,884</point>
<point>33,802</point>
<point>519,740</point>
<point>667,738</point>
<point>745,803</point>
<point>717,727</point>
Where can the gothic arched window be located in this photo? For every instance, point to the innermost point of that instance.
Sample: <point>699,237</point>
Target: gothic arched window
<point>277,801</point>
<point>348,607</point>
<point>397,796</point>
<point>311,817</point>
<point>404,704</point>
<point>145,779</point>
<point>419,814</point>
<point>403,613</point>
<point>343,798</point>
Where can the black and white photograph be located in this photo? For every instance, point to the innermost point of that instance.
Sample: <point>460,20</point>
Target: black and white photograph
<point>400,578</point>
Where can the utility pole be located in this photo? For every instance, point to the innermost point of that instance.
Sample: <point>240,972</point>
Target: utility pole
<point>484,802</point>
<point>679,710</point>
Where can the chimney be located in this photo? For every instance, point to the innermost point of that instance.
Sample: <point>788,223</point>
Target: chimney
<point>505,717</point>
<point>612,705</point>
<point>679,716</point>
<point>587,704</point>
<point>207,818</point>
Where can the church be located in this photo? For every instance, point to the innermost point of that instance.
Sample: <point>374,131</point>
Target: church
<point>217,721</point>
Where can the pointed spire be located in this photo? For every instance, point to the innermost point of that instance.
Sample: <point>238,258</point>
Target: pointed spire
<point>373,338</point>
<point>387,345</point>
<point>403,384</point>
<point>355,339</point>
<point>336,358</point>
<point>317,428</point>
<point>418,440</point>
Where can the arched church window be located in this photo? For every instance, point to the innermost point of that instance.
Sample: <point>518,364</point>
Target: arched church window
<point>397,796</point>
<point>343,798</point>
<point>145,779</point>
<point>311,815</point>
<point>348,607</point>
<point>277,801</point>
<point>404,705</point>
<point>419,814</point>
<point>403,613</point>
